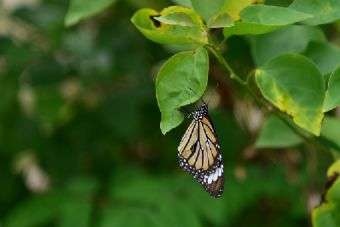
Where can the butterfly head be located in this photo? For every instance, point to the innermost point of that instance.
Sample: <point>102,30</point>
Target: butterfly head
<point>201,112</point>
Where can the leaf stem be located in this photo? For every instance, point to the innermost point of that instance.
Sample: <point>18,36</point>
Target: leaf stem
<point>221,59</point>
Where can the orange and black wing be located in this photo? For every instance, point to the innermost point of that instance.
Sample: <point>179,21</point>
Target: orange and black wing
<point>199,154</point>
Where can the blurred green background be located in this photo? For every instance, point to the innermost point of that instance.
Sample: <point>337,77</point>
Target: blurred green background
<point>80,143</point>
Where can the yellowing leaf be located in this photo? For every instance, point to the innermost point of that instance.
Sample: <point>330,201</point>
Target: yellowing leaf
<point>173,25</point>
<point>327,214</point>
<point>234,7</point>
<point>294,84</point>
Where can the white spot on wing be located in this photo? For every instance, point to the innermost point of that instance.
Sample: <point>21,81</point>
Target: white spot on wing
<point>215,175</point>
<point>210,178</point>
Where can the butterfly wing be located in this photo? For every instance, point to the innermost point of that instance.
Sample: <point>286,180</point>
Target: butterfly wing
<point>199,154</point>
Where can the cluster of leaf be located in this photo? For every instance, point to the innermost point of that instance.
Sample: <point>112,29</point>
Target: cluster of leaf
<point>297,67</point>
<point>80,101</point>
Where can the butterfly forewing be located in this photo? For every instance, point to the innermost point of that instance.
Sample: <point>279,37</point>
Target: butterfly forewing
<point>199,153</point>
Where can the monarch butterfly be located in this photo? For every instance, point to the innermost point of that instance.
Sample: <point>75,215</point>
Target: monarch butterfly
<point>199,153</point>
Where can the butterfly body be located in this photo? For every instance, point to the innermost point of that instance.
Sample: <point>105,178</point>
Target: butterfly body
<point>199,153</point>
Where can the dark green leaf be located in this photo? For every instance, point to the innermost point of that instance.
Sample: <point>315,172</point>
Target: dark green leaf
<point>36,211</point>
<point>324,55</point>
<point>292,39</point>
<point>50,106</point>
<point>186,3</point>
<point>276,134</point>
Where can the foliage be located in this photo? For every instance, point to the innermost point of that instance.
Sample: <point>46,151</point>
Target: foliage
<point>80,143</point>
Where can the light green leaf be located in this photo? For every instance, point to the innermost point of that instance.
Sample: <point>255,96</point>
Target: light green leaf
<point>181,80</point>
<point>246,28</point>
<point>325,55</point>
<point>292,39</point>
<point>82,9</point>
<point>294,85</point>
<point>170,32</point>
<point>324,11</point>
<point>260,19</point>
<point>327,214</point>
<point>207,8</point>
<point>276,134</point>
<point>271,15</point>
<point>181,19</point>
<point>220,21</point>
<point>332,99</point>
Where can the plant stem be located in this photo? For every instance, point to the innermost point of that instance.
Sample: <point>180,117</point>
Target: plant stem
<point>221,59</point>
<point>262,103</point>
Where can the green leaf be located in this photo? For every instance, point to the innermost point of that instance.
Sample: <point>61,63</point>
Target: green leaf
<point>167,27</point>
<point>36,211</point>
<point>207,8</point>
<point>220,21</point>
<point>75,213</point>
<point>50,106</point>
<point>128,216</point>
<point>327,214</point>
<point>76,210</point>
<point>181,19</point>
<point>323,11</point>
<point>185,215</point>
<point>246,28</point>
<point>332,99</point>
<point>81,9</point>
<point>330,132</point>
<point>271,15</point>
<point>276,134</point>
<point>260,19</point>
<point>292,39</point>
<point>294,85</point>
<point>325,55</point>
<point>181,80</point>
<point>186,3</point>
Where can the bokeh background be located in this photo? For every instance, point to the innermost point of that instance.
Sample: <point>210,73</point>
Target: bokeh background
<point>80,143</point>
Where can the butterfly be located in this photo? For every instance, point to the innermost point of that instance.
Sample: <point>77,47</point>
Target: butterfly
<point>199,153</point>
